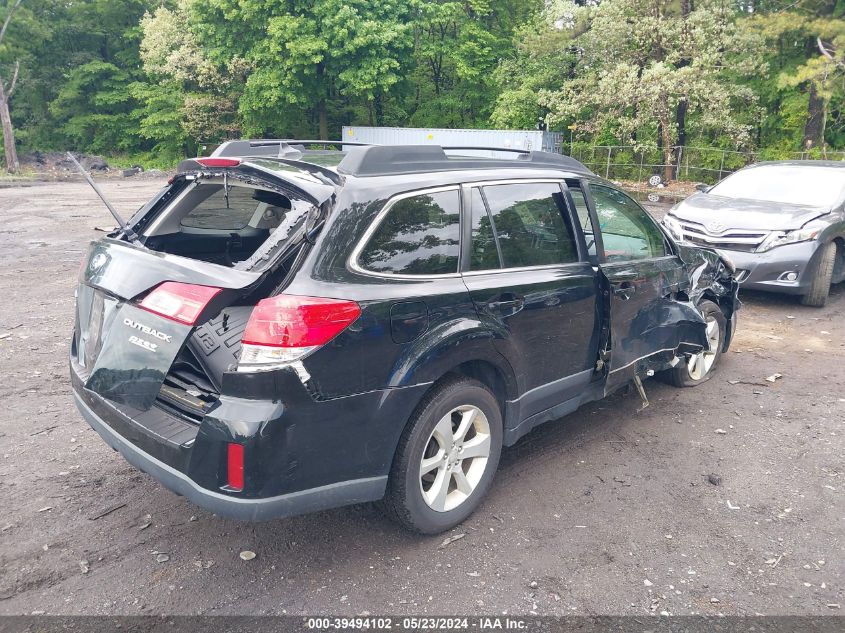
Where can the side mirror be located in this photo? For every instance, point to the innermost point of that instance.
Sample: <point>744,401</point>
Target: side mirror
<point>703,188</point>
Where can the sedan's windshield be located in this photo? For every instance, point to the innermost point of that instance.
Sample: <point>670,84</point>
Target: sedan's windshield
<point>788,184</point>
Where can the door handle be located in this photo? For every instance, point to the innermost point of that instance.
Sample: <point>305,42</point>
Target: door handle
<point>507,302</point>
<point>502,305</point>
<point>624,289</point>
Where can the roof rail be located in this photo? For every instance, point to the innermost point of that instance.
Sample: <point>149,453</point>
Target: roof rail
<point>364,159</point>
<point>271,147</point>
<point>383,160</point>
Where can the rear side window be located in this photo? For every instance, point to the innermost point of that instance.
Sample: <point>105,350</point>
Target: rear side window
<point>530,224</point>
<point>420,235</point>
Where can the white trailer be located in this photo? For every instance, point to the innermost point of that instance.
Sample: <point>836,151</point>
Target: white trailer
<point>510,139</point>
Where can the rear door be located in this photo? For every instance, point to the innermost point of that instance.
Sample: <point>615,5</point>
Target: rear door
<point>649,313</point>
<point>531,285</point>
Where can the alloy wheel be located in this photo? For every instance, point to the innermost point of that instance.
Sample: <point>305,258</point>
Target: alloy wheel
<point>455,458</point>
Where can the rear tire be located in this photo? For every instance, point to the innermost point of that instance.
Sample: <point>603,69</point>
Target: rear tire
<point>823,275</point>
<point>697,368</point>
<point>446,458</point>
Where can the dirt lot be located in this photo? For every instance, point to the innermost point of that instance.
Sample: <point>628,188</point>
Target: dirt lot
<point>607,512</point>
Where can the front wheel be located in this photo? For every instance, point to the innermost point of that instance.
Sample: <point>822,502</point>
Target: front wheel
<point>446,458</point>
<point>695,369</point>
<point>822,277</point>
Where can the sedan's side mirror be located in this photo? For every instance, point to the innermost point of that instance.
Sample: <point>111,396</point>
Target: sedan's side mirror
<point>703,188</point>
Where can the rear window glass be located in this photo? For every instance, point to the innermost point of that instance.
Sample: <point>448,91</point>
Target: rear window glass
<point>420,235</point>
<point>234,208</point>
<point>531,225</point>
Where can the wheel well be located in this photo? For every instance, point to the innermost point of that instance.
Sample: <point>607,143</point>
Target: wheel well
<point>719,301</point>
<point>484,372</point>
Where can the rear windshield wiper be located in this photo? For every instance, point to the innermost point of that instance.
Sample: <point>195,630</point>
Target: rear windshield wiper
<point>129,233</point>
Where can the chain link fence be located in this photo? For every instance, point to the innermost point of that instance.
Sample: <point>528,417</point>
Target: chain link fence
<point>691,164</point>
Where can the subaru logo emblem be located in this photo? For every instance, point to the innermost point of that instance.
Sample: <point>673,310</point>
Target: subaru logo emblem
<point>715,227</point>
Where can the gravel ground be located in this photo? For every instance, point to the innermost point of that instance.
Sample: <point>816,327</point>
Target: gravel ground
<point>609,511</point>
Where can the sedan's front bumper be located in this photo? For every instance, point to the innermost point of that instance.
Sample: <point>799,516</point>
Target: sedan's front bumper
<point>768,271</point>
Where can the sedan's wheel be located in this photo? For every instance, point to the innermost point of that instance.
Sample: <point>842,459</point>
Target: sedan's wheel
<point>697,368</point>
<point>822,276</point>
<point>455,458</point>
<point>446,457</point>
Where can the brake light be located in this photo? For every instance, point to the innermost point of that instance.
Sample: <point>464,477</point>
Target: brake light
<point>235,467</point>
<point>180,302</point>
<point>219,162</point>
<point>286,328</point>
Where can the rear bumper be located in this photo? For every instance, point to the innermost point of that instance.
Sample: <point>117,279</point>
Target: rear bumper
<point>767,271</point>
<point>301,502</point>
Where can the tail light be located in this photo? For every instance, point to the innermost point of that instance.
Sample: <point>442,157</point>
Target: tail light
<point>235,467</point>
<point>286,328</point>
<point>179,302</point>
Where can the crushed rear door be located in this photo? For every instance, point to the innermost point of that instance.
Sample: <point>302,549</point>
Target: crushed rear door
<point>124,351</point>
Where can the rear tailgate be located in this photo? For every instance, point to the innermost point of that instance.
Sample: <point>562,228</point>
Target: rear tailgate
<point>122,351</point>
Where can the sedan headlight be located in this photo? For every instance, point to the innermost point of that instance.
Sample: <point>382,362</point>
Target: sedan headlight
<point>674,227</point>
<point>781,238</point>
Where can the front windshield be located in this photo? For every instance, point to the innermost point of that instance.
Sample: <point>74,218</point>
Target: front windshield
<point>787,184</point>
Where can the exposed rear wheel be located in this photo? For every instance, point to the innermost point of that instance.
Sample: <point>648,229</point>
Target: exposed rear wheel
<point>446,458</point>
<point>695,369</point>
<point>823,275</point>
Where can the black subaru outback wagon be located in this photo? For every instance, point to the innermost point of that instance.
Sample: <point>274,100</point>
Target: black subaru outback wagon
<point>283,330</point>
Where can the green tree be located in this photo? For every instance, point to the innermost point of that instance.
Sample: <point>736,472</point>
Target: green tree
<point>19,29</point>
<point>544,59</point>
<point>302,54</point>
<point>806,83</point>
<point>6,92</point>
<point>185,96</point>
<point>457,48</point>
<point>97,47</point>
<point>654,63</point>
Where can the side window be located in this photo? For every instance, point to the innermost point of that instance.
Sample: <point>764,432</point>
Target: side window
<point>583,213</point>
<point>485,253</point>
<point>419,235</point>
<point>531,224</point>
<point>627,230</point>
